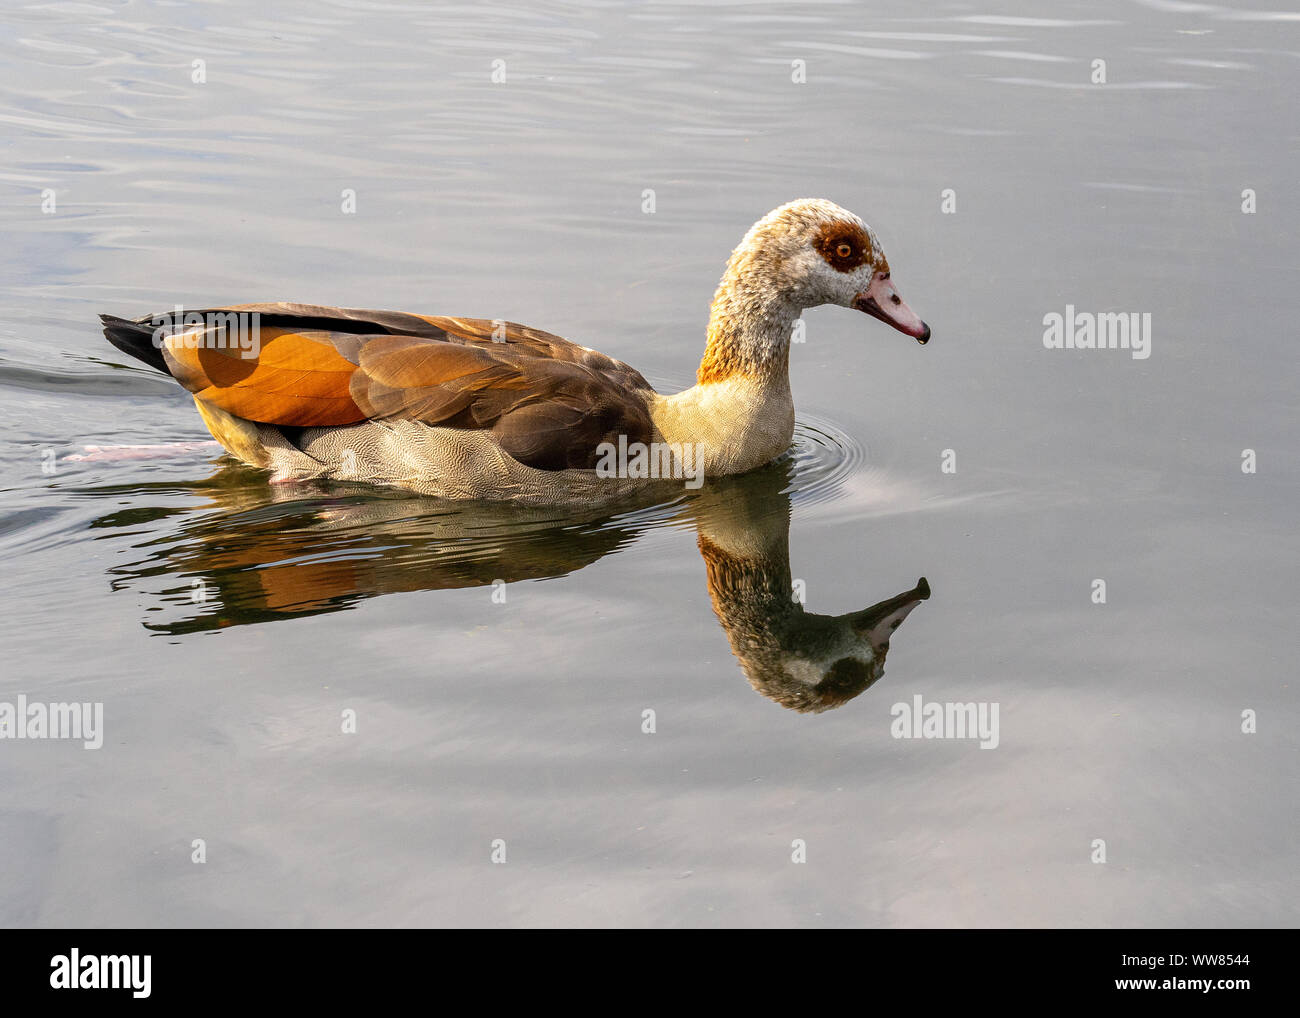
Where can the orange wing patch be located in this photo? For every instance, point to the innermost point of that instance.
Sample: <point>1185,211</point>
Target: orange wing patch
<point>297,379</point>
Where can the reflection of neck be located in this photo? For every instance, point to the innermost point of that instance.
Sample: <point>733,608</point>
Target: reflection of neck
<point>745,543</point>
<point>803,661</point>
<point>799,659</point>
<point>753,597</point>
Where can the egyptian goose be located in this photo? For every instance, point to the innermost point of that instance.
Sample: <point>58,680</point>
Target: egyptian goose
<point>474,408</point>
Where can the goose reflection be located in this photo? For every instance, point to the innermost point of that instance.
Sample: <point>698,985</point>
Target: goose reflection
<point>262,553</point>
<point>801,660</point>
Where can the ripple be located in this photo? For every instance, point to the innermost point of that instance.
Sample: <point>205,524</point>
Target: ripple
<point>120,382</point>
<point>823,459</point>
<point>1085,86</point>
<point>1008,21</point>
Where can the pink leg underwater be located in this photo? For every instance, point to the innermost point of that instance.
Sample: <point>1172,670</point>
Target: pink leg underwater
<point>165,450</point>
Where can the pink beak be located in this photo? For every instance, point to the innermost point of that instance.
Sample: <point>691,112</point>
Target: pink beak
<point>881,300</point>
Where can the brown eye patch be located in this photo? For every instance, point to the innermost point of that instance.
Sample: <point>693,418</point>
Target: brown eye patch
<point>845,246</point>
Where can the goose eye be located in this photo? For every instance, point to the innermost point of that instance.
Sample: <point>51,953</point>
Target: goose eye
<point>843,250</point>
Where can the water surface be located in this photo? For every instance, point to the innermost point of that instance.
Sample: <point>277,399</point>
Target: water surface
<point>499,663</point>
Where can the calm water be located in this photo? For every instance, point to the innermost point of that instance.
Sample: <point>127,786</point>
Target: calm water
<point>226,627</point>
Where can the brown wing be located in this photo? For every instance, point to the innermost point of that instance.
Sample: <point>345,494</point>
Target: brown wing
<point>548,402</point>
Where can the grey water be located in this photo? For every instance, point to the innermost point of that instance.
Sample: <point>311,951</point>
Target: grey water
<point>341,706</point>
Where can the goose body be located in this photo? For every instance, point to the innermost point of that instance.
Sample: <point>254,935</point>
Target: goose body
<point>476,408</point>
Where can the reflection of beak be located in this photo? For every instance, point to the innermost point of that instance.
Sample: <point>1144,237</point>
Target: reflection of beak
<point>878,622</point>
<point>881,300</point>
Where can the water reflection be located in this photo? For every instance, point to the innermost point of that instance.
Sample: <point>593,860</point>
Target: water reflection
<point>264,553</point>
<point>794,657</point>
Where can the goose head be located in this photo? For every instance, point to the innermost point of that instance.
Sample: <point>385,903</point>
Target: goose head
<point>811,252</point>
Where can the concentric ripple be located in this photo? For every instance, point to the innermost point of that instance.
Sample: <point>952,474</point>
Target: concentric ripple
<point>823,458</point>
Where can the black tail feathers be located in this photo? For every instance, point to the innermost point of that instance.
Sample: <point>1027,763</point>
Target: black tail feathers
<point>135,338</point>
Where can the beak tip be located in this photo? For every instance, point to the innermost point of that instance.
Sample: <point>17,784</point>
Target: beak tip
<point>924,337</point>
